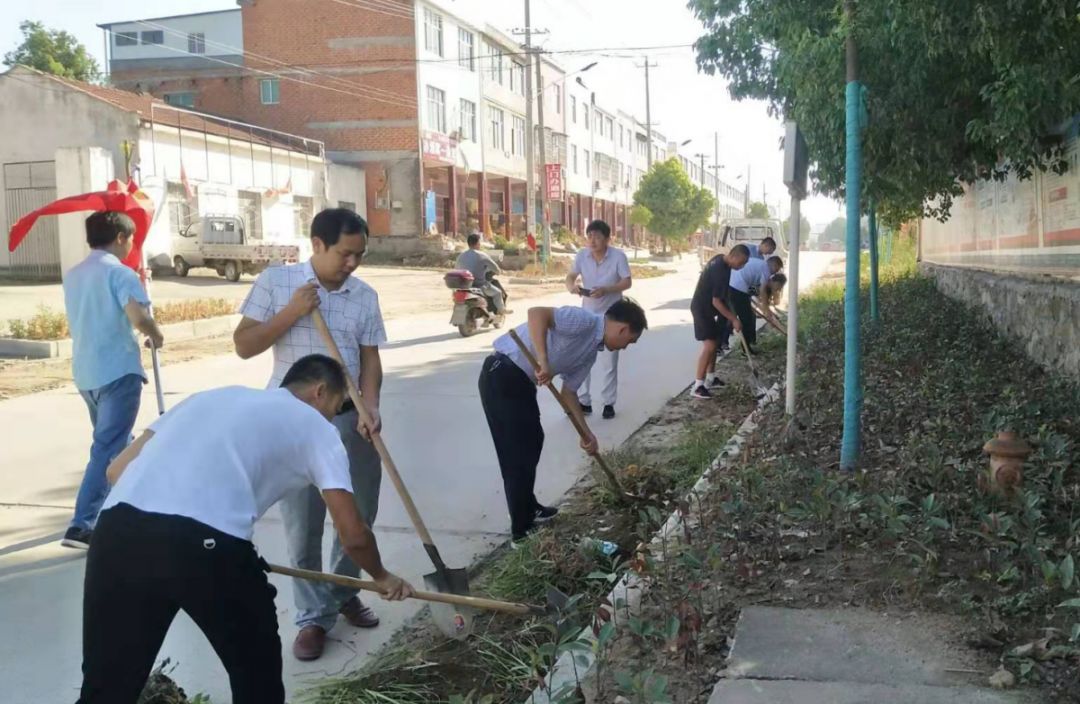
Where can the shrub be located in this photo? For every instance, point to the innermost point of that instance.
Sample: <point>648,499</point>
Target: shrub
<point>48,324</point>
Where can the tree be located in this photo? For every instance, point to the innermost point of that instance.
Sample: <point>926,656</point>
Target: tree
<point>640,216</point>
<point>956,89</point>
<point>53,51</point>
<point>835,231</point>
<point>758,210</point>
<point>678,207</point>
<point>804,227</point>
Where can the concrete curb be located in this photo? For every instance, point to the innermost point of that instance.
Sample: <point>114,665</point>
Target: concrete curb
<point>173,332</point>
<point>567,672</point>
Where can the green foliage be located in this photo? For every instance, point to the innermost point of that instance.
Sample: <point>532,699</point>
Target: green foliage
<point>804,228</point>
<point>640,215</point>
<point>956,88</point>
<point>835,231</point>
<point>678,207</point>
<point>53,51</point>
<point>758,210</point>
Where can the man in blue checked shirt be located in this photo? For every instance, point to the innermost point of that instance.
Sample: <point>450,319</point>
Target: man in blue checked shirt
<point>277,315</point>
<point>565,342</point>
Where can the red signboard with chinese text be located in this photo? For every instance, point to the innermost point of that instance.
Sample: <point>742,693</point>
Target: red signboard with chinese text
<point>553,181</point>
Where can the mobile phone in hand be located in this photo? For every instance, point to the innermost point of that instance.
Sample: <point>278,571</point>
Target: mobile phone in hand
<point>585,292</point>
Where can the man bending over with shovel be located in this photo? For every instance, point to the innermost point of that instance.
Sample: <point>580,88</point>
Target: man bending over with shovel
<point>564,342</point>
<point>175,532</point>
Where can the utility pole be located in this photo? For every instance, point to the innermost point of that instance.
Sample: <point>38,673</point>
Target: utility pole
<point>543,163</point>
<point>746,194</point>
<point>716,184</point>
<point>530,165</point>
<point>648,111</point>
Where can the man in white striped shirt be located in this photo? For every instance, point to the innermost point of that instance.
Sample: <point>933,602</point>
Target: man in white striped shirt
<point>565,342</point>
<point>277,314</point>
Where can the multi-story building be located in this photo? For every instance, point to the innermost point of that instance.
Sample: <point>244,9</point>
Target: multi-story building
<point>429,103</point>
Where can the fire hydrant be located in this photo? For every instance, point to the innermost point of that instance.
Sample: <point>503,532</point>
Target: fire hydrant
<point>1007,452</point>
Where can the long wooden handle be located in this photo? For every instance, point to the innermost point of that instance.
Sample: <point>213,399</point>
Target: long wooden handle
<point>476,602</point>
<point>376,438</point>
<point>768,318</point>
<point>581,429</point>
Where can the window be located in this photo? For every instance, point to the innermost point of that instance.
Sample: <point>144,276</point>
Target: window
<point>433,32</point>
<point>269,91</point>
<point>181,100</point>
<point>585,114</point>
<point>517,137</point>
<point>466,49</point>
<point>573,109</point>
<point>196,43</point>
<point>599,123</point>
<point>468,120</point>
<point>436,109</point>
<point>497,123</point>
<point>610,128</point>
<point>155,36</point>
<point>127,38</point>
<point>517,77</point>
<point>347,204</point>
<point>495,62</point>
<point>588,164</point>
<point>573,156</point>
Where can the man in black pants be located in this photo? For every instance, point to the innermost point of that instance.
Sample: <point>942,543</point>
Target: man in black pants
<point>709,304</point>
<point>175,532</point>
<point>565,342</point>
<point>752,278</point>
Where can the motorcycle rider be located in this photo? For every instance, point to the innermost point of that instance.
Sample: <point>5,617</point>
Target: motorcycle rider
<point>478,263</point>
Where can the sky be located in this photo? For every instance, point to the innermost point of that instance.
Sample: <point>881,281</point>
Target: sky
<point>686,104</point>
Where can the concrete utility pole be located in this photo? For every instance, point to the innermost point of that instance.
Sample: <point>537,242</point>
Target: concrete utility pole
<point>716,183</point>
<point>530,162</point>
<point>543,163</point>
<point>648,112</point>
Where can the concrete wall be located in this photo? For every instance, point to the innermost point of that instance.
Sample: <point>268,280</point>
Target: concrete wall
<point>48,117</point>
<point>224,39</point>
<point>78,170</point>
<point>1041,314</point>
<point>348,184</point>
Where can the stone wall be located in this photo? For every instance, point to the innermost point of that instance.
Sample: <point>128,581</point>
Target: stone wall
<point>1040,313</point>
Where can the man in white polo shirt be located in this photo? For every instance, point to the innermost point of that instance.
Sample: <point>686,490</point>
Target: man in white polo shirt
<point>605,273</point>
<point>175,532</point>
<point>277,315</point>
<point>751,279</point>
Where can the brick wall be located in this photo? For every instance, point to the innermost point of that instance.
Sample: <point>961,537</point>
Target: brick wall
<point>347,78</point>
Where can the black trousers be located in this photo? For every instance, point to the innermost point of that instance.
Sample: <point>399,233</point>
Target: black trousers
<point>509,400</point>
<point>141,570</point>
<point>741,303</point>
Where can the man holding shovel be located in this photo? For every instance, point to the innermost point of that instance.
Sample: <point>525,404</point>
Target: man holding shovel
<point>175,533</point>
<point>711,311</point>
<point>277,314</point>
<point>564,342</point>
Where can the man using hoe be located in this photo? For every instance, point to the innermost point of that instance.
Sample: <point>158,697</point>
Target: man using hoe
<point>175,533</point>
<point>564,342</point>
<point>751,279</point>
<point>712,311</point>
<point>104,300</point>
<point>277,314</point>
<point>478,263</point>
<point>605,274</point>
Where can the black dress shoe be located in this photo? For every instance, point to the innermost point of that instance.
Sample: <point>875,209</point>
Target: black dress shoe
<point>586,410</point>
<point>609,411</point>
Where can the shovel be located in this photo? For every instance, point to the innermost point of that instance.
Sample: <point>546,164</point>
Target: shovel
<point>759,389</point>
<point>768,318</point>
<point>616,485</point>
<point>455,623</point>
<point>556,600</point>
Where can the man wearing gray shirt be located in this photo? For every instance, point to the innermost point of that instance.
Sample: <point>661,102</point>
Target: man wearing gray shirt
<point>605,273</point>
<point>479,264</point>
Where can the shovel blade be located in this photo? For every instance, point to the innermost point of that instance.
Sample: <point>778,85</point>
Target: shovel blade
<point>453,621</point>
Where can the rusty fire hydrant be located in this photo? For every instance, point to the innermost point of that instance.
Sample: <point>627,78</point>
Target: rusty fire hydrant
<point>1007,452</point>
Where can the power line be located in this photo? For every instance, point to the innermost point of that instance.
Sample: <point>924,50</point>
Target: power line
<point>362,4</point>
<point>371,90</point>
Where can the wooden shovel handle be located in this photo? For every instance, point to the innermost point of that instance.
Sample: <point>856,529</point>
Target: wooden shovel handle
<point>768,318</point>
<point>376,438</point>
<point>475,602</point>
<point>582,431</point>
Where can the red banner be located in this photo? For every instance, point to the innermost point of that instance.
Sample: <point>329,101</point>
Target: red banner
<point>553,181</point>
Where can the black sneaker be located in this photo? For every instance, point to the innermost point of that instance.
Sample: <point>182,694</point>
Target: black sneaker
<point>78,538</point>
<point>609,412</point>
<point>545,513</point>
<point>517,539</point>
<point>716,383</point>
<point>700,392</point>
<point>586,410</point>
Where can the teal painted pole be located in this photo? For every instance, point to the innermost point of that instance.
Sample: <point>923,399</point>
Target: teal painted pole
<point>849,446</point>
<point>874,314</point>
